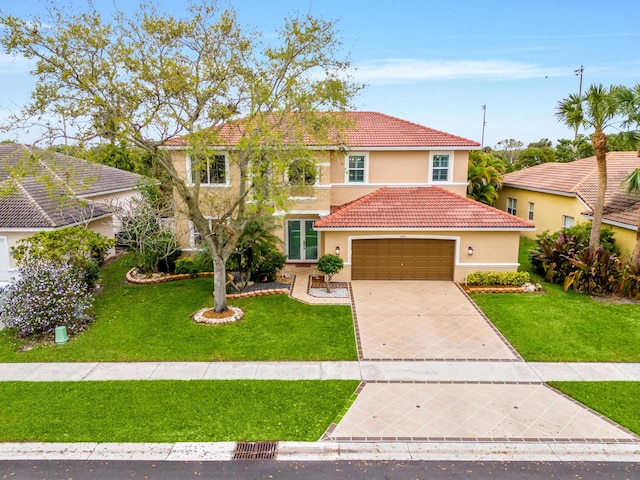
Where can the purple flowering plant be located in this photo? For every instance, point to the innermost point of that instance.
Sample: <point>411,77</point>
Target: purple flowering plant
<point>46,295</point>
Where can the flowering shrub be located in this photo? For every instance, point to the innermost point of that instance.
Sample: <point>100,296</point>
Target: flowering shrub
<point>47,295</point>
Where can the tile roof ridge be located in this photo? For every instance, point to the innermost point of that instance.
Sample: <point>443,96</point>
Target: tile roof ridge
<point>587,176</point>
<point>414,124</point>
<point>35,204</point>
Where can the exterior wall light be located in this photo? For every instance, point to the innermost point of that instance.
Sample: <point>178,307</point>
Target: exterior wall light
<point>338,250</point>
<point>470,250</point>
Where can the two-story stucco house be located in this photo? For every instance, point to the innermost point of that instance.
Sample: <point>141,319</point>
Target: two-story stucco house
<point>559,195</point>
<point>391,200</point>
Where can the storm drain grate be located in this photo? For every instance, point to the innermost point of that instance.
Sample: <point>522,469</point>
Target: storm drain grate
<point>255,451</point>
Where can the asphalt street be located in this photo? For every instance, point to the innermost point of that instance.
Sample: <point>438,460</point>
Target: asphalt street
<point>278,470</point>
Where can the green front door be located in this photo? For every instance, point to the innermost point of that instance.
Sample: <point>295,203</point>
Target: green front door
<point>302,241</point>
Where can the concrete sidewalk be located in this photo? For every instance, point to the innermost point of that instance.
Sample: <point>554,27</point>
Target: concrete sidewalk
<point>368,371</point>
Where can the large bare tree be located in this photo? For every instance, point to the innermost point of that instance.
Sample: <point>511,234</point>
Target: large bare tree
<point>150,77</point>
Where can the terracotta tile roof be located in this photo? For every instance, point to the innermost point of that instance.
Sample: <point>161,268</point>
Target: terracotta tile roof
<point>580,178</point>
<point>51,203</point>
<point>369,129</point>
<point>419,207</point>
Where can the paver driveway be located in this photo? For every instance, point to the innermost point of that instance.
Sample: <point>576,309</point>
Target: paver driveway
<point>423,320</point>
<point>436,321</point>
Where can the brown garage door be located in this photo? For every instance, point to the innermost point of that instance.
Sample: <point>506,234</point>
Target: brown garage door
<point>402,259</point>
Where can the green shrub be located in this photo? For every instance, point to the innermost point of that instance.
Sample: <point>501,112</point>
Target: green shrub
<point>266,264</point>
<point>78,246</point>
<point>186,265</point>
<point>485,279</point>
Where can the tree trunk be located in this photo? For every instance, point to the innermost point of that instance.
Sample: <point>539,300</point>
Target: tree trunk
<point>220,285</point>
<point>599,141</point>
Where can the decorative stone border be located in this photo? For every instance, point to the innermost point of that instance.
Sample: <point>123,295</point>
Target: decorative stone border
<point>182,276</point>
<point>258,293</point>
<point>164,278</point>
<point>199,317</point>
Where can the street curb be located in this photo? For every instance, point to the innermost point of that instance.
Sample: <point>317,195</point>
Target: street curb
<point>327,451</point>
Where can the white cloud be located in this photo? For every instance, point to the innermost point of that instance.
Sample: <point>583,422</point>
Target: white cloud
<point>11,64</point>
<point>404,70</point>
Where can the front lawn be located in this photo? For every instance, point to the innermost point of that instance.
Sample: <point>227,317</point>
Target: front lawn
<point>151,323</point>
<point>564,326</point>
<point>170,411</point>
<point>619,401</point>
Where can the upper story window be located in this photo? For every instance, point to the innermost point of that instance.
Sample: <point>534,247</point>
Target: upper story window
<point>210,170</point>
<point>531,211</point>
<point>512,203</point>
<point>302,173</point>
<point>356,171</point>
<point>441,166</point>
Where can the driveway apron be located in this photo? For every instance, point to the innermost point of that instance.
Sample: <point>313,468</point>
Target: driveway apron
<point>436,321</point>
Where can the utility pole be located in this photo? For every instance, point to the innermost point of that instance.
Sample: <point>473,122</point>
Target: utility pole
<point>578,72</point>
<point>484,116</point>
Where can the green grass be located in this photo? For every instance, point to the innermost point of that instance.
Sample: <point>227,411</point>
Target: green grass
<point>170,411</point>
<point>151,323</point>
<point>564,326</point>
<point>619,401</point>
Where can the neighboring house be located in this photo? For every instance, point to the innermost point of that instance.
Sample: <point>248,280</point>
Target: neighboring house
<point>391,199</point>
<point>559,195</point>
<point>55,191</point>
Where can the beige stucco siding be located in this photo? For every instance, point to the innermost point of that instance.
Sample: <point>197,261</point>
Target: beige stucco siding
<point>492,250</point>
<point>548,208</point>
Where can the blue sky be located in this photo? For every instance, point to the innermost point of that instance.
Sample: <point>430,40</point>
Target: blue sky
<point>436,62</point>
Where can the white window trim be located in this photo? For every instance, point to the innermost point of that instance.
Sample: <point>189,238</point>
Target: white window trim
<point>531,211</point>
<point>192,233</point>
<point>227,179</point>
<point>366,167</point>
<point>512,206</point>
<point>449,170</point>
<point>564,221</point>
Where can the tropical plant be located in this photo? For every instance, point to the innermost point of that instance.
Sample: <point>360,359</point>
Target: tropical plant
<point>593,273</point>
<point>549,258</point>
<point>330,265</point>
<point>46,295</point>
<point>484,177</point>
<point>595,109</point>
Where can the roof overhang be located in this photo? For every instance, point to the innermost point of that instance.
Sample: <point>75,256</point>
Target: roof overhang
<point>427,229</point>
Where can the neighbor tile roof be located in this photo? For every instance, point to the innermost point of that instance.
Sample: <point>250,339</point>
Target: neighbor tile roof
<point>53,201</point>
<point>369,129</point>
<point>419,207</point>
<point>580,178</point>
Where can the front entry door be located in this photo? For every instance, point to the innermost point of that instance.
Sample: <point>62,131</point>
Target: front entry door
<point>302,241</point>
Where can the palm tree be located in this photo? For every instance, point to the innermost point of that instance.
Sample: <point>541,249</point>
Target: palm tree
<point>484,177</point>
<point>595,109</point>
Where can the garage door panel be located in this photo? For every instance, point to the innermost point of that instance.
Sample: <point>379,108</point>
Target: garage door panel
<point>402,259</point>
